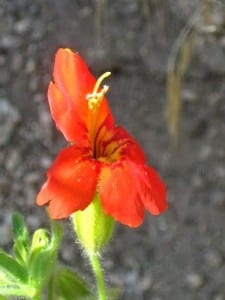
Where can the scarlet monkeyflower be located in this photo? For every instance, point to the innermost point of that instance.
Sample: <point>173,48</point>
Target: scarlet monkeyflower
<point>101,157</point>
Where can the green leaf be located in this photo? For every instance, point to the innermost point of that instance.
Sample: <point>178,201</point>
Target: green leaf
<point>21,239</point>
<point>21,251</point>
<point>43,255</point>
<point>19,227</point>
<point>71,286</point>
<point>41,265</point>
<point>9,267</point>
<point>3,298</point>
<point>17,290</point>
<point>13,277</point>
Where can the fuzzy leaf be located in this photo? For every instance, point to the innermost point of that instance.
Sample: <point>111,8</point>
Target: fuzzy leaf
<point>19,227</point>
<point>71,286</point>
<point>43,255</point>
<point>10,268</point>
<point>21,239</point>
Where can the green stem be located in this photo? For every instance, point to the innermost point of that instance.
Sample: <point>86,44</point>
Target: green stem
<point>99,276</point>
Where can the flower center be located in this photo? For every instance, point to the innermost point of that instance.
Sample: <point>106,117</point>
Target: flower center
<point>95,98</point>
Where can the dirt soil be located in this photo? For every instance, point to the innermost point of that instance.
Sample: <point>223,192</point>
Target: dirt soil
<point>181,254</point>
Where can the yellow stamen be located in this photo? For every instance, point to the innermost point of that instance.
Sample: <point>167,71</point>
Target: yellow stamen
<point>95,98</point>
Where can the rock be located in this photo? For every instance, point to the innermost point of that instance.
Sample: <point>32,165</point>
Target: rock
<point>33,83</point>
<point>22,26</point>
<point>13,160</point>
<point>189,96</point>
<point>219,198</point>
<point>5,227</point>
<point>130,8</point>
<point>4,77</point>
<point>222,42</point>
<point>182,9</point>
<point>146,283</point>
<point>17,61</point>
<point>2,59</point>
<point>6,234</point>
<point>219,297</point>
<point>9,118</point>
<point>30,66</point>
<point>212,259</point>
<point>210,55</point>
<point>38,31</point>
<point>9,42</point>
<point>31,178</point>
<point>33,222</point>
<point>194,280</point>
<point>205,152</point>
<point>45,162</point>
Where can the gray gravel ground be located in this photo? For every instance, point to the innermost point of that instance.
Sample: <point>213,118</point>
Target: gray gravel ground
<point>179,255</point>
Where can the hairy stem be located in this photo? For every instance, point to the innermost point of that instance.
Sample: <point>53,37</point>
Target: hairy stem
<point>99,276</point>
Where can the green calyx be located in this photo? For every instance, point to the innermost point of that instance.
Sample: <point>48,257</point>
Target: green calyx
<point>92,226</point>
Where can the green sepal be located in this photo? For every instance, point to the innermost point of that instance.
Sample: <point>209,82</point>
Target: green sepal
<point>92,226</point>
<point>70,285</point>
<point>21,239</point>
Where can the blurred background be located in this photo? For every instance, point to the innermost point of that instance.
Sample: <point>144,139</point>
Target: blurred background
<point>167,88</point>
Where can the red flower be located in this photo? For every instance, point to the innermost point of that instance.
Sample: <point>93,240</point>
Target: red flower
<point>101,157</point>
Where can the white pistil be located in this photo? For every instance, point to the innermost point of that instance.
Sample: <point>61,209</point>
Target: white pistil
<point>95,98</point>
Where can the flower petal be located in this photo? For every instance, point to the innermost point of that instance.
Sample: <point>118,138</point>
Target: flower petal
<point>153,191</point>
<point>65,117</point>
<point>71,183</point>
<point>117,144</point>
<point>125,188</point>
<point>67,97</point>
<point>118,190</point>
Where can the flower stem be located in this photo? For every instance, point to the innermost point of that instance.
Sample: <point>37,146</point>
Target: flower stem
<point>97,269</point>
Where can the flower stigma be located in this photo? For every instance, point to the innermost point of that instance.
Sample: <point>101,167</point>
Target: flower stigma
<point>95,98</point>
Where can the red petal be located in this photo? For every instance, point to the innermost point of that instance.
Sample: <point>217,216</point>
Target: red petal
<point>71,183</point>
<point>64,116</point>
<point>67,97</point>
<point>126,187</point>
<point>117,144</point>
<point>153,191</point>
<point>129,146</point>
<point>118,190</point>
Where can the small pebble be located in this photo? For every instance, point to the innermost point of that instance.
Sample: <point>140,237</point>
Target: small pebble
<point>212,259</point>
<point>146,283</point>
<point>17,62</point>
<point>219,297</point>
<point>13,160</point>
<point>194,280</point>
<point>22,26</point>
<point>31,178</point>
<point>30,66</point>
<point>9,118</point>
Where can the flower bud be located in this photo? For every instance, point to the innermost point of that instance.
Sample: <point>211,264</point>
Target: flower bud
<point>92,226</point>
